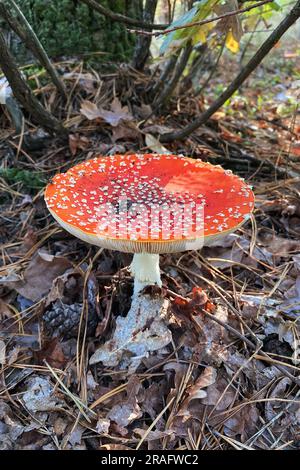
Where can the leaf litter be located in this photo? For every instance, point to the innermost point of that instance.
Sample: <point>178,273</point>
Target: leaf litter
<point>230,376</point>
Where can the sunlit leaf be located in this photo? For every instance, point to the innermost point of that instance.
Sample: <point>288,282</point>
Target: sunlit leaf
<point>199,12</point>
<point>231,43</point>
<point>201,34</point>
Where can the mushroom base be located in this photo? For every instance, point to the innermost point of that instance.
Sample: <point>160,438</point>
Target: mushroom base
<point>143,331</point>
<point>145,269</point>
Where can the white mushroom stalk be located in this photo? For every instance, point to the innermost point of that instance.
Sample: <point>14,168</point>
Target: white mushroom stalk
<point>145,270</point>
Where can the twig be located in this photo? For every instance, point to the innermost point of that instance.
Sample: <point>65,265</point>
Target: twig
<point>229,328</point>
<point>169,88</point>
<point>23,93</point>
<point>26,33</point>
<point>122,18</point>
<point>165,73</point>
<point>274,37</point>
<point>213,70</point>
<point>202,22</point>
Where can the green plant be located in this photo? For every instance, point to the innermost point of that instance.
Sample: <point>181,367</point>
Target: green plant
<point>26,179</point>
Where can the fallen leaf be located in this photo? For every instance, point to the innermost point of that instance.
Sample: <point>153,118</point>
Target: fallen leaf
<point>126,131</point>
<point>90,110</point>
<point>242,423</point>
<point>195,391</point>
<point>39,275</point>
<point>39,395</point>
<point>154,145</point>
<point>124,413</point>
<point>76,435</point>
<point>117,113</point>
<point>76,142</point>
<point>153,435</point>
<point>217,396</point>
<point>115,447</point>
<point>272,407</point>
<point>52,352</point>
<point>102,426</point>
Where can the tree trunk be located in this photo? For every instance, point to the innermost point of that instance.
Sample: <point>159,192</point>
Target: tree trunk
<point>142,48</point>
<point>23,93</point>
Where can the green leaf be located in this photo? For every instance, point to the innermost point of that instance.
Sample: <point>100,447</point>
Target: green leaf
<point>188,17</point>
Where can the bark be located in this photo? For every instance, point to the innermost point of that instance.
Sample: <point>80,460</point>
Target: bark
<point>122,18</point>
<point>142,49</point>
<point>23,93</point>
<point>23,29</point>
<point>266,47</point>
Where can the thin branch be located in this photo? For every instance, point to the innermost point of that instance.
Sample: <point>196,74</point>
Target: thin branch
<point>26,33</point>
<point>171,85</point>
<point>253,346</point>
<point>23,93</point>
<point>266,47</point>
<point>200,23</point>
<point>165,73</point>
<point>213,70</point>
<point>122,18</point>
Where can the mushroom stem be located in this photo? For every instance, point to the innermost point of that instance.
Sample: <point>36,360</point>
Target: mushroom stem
<point>145,269</point>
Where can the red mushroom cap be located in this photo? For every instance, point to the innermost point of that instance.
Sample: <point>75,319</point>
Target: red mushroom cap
<point>91,199</point>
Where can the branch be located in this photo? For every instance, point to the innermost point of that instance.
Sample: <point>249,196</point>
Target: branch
<point>200,23</point>
<point>23,93</point>
<point>122,18</point>
<point>213,70</point>
<point>172,83</point>
<point>165,73</point>
<point>26,33</point>
<point>270,42</point>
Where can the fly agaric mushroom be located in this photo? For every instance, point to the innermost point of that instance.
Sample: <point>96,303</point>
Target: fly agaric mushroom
<point>148,204</point>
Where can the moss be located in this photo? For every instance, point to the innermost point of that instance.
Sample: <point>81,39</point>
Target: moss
<point>69,27</point>
<point>28,180</point>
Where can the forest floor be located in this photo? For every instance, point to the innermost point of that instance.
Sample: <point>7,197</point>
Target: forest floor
<point>232,384</point>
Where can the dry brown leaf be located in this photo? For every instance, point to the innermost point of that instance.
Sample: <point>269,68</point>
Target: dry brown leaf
<point>76,142</point>
<point>126,131</point>
<point>129,410</point>
<point>52,352</point>
<point>242,423</point>
<point>114,447</point>
<point>279,246</point>
<point>124,413</point>
<point>102,426</point>
<point>90,110</point>
<point>117,113</point>
<point>195,391</point>
<point>272,407</point>
<point>155,145</point>
<point>212,337</point>
<point>217,396</point>
<point>153,435</point>
<point>39,275</point>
